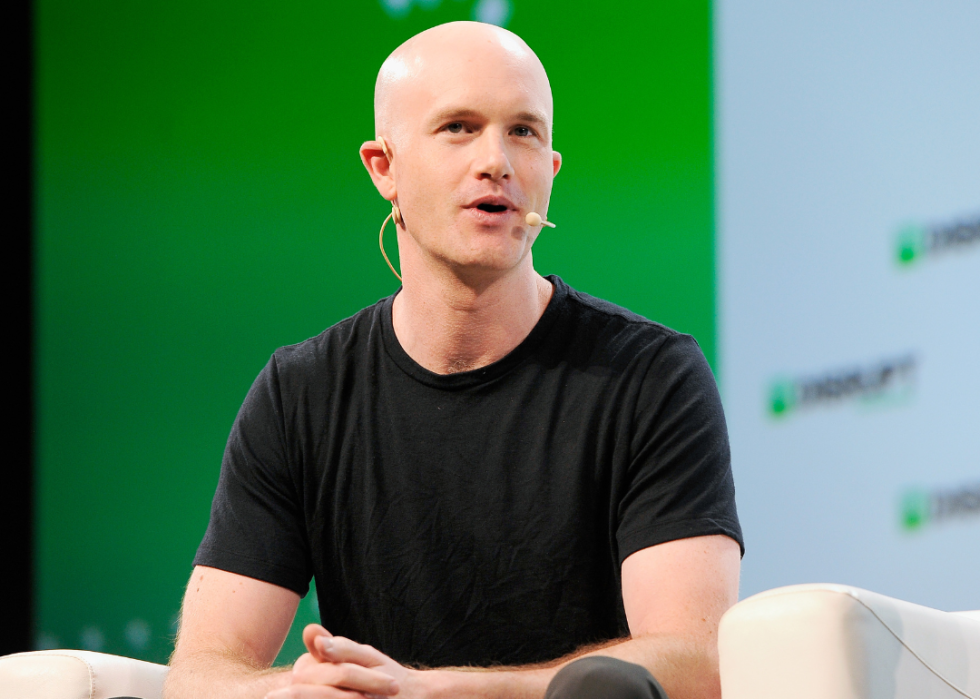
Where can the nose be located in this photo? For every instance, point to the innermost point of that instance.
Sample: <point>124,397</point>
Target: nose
<point>492,161</point>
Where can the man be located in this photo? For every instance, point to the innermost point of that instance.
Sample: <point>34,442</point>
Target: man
<point>486,470</point>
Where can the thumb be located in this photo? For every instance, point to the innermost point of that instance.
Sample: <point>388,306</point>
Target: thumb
<point>311,633</point>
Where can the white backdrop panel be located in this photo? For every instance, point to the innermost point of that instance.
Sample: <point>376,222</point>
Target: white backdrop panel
<point>848,132</point>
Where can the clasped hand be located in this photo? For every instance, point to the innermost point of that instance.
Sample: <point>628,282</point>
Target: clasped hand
<point>338,667</point>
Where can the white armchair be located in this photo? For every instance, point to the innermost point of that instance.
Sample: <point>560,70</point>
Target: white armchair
<point>838,642</point>
<point>78,674</point>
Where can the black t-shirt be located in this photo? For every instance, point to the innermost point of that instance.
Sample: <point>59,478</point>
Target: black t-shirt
<point>479,517</point>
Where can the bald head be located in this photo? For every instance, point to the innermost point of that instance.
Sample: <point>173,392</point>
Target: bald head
<point>463,116</point>
<point>442,58</point>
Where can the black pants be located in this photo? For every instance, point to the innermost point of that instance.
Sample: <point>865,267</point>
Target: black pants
<point>599,677</point>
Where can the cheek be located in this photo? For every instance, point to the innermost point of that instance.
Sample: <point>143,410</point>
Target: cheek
<point>541,178</point>
<point>428,187</point>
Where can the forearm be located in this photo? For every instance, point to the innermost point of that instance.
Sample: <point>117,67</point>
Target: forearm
<point>685,669</point>
<point>213,675</point>
<point>486,683</point>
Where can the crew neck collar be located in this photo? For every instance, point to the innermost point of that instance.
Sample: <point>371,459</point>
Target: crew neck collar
<point>466,379</point>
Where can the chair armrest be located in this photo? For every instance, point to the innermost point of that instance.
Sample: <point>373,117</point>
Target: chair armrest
<point>78,674</point>
<point>810,641</point>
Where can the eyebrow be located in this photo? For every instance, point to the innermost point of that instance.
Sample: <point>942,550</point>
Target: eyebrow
<point>463,113</point>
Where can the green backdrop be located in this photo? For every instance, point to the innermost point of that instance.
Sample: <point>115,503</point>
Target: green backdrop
<point>200,202</point>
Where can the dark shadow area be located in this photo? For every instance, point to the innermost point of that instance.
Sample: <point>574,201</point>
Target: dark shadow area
<point>16,495</point>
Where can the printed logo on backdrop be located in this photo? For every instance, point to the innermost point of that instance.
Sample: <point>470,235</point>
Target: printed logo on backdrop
<point>915,243</point>
<point>489,11</point>
<point>920,508</point>
<point>884,382</point>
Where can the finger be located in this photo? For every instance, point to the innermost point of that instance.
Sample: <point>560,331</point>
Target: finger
<point>311,633</point>
<point>343,650</point>
<point>346,676</point>
<point>306,691</point>
<point>305,660</point>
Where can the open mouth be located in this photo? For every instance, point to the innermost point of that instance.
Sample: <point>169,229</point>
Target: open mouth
<point>492,208</point>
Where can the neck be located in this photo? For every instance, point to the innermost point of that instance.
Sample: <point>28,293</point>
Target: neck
<point>448,325</point>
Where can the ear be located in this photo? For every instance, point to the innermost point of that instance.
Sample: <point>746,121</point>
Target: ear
<point>379,167</point>
<point>555,161</point>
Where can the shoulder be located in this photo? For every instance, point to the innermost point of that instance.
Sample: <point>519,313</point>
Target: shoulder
<point>596,313</point>
<point>612,334</point>
<point>327,351</point>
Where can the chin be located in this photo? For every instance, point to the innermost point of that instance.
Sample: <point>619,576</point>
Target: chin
<point>489,265</point>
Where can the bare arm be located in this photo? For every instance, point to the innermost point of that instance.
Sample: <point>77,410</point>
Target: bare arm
<point>231,629</point>
<point>674,595</point>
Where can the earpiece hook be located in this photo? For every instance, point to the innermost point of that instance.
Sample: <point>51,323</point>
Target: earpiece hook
<point>395,214</point>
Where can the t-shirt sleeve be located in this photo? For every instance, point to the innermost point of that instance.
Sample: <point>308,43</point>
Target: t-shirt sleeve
<point>678,482</point>
<point>256,527</point>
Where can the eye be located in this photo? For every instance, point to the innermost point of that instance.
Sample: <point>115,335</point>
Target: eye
<point>523,131</point>
<point>455,127</point>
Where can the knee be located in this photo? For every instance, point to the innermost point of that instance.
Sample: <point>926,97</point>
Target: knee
<point>600,677</point>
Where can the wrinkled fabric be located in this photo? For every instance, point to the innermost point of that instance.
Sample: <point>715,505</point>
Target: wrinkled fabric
<point>475,518</point>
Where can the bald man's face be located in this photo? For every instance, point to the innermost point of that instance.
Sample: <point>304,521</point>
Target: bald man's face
<point>471,132</point>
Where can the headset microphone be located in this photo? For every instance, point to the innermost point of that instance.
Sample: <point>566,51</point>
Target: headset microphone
<point>395,214</point>
<point>534,219</point>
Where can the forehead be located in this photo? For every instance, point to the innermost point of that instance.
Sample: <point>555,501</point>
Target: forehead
<point>494,77</point>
